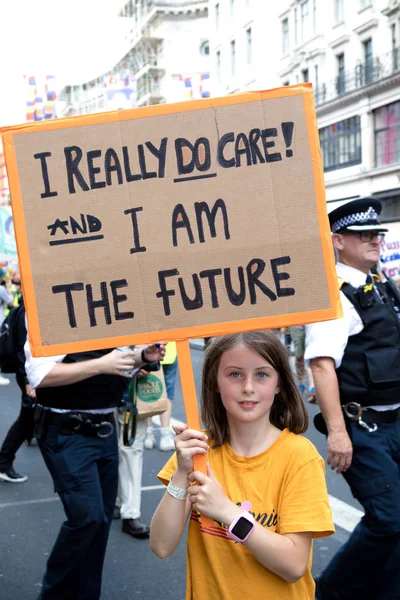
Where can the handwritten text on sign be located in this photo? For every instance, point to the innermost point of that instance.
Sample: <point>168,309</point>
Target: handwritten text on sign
<point>171,221</point>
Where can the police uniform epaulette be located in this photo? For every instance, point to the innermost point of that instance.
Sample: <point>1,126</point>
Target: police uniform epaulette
<point>341,282</point>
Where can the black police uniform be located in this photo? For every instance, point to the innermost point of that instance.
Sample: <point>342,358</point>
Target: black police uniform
<point>81,453</point>
<point>367,567</point>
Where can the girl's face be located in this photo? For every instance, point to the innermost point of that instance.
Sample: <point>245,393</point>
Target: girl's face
<point>247,384</point>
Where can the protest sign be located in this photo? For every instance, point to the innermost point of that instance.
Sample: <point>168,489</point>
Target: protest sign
<point>172,221</point>
<point>390,251</point>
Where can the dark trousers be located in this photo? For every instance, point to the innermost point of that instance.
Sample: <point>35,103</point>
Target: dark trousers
<point>367,567</point>
<point>84,469</point>
<point>19,431</point>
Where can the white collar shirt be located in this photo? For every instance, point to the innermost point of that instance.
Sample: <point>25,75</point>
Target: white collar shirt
<point>329,338</point>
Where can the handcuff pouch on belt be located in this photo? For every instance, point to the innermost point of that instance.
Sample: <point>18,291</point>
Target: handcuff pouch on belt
<point>71,423</point>
<point>353,411</point>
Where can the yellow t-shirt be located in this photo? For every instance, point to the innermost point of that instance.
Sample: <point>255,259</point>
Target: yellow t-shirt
<point>287,489</point>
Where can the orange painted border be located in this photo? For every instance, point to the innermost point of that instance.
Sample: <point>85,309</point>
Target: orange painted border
<point>191,410</point>
<point>37,347</point>
<point>319,183</point>
<point>24,259</point>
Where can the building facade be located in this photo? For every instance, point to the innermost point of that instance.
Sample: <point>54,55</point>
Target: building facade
<point>165,59</point>
<point>349,50</point>
<point>244,41</point>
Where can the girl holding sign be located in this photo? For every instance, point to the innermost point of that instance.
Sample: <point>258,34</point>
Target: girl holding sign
<point>265,488</point>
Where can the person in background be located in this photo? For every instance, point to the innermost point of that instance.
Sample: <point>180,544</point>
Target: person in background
<point>22,429</point>
<point>170,368</point>
<point>130,470</point>
<point>306,384</point>
<point>356,366</point>
<point>75,429</point>
<point>6,302</point>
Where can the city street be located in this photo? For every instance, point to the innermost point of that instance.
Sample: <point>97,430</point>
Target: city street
<point>31,514</point>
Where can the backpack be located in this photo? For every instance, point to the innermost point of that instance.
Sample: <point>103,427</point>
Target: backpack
<point>10,340</point>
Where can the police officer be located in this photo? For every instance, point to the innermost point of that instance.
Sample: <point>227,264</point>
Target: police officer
<point>356,366</point>
<point>75,427</point>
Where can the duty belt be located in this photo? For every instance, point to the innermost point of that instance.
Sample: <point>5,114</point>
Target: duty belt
<point>75,422</point>
<point>367,418</point>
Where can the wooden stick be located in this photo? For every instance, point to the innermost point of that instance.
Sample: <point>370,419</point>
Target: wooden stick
<point>191,407</point>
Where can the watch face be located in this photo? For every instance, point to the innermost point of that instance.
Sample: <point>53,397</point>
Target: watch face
<point>242,528</point>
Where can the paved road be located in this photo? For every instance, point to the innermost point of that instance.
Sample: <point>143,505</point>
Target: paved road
<point>30,516</point>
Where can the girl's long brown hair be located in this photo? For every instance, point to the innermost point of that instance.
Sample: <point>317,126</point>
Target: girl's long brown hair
<point>288,409</point>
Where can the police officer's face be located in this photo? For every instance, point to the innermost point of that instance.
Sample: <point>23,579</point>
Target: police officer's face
<point>355,252</point>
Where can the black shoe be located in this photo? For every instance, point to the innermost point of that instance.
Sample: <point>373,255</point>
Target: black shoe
<point>135,528</point>
<point>117,512</point>
<point>11,476</point>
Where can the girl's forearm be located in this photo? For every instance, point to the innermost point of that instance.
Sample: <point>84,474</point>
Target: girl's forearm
<point>280,553</point>
<point>169,521</point>
<point>285,555</point>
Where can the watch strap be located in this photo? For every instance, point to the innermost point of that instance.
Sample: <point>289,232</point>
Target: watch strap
<point>245,514</point>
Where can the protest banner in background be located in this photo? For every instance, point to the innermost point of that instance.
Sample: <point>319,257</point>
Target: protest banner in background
<point>390,251</point>
<point>172,221</point>
<point>8,249</point>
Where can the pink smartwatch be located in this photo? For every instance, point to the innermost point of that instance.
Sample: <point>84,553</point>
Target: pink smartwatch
<point>241,527</point>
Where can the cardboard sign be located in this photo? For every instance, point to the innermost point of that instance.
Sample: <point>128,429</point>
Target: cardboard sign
<point>173,221</point>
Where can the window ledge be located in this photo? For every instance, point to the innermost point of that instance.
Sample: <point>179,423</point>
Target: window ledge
<point>392,167</point>
<point>366,26</point>
<point>338,24</point>
<point>365,8</point>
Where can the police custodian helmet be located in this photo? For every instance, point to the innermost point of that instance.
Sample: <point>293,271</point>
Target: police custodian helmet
<point>357,215</point>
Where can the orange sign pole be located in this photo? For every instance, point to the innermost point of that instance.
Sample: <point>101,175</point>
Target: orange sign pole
<point>190,402</point>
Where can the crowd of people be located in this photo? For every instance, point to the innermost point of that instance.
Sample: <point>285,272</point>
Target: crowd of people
<point>264,489</point>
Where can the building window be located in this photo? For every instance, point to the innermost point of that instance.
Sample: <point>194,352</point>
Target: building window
<point>295,27</point>
<point>218,57</point>
<point>387,134</point>
<point>395,56</point>
<point>249,44</point>
<point>286,82</point>
<point>217,16</point>
<point>205,48</point>
<point>305,18</point>
<point>341,78</point>
<point>317,90</point>
<point>341,144</point>
<point>233,57</point>
<point>339,11</point>
<point>365,3</point>
<point>314,17</point>
<point>232,7</point>
<point>305,75</point>
<point>285,37</point>
<point>368,61</point>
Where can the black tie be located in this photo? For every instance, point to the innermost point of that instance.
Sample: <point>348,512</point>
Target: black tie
<point>369,281</point>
